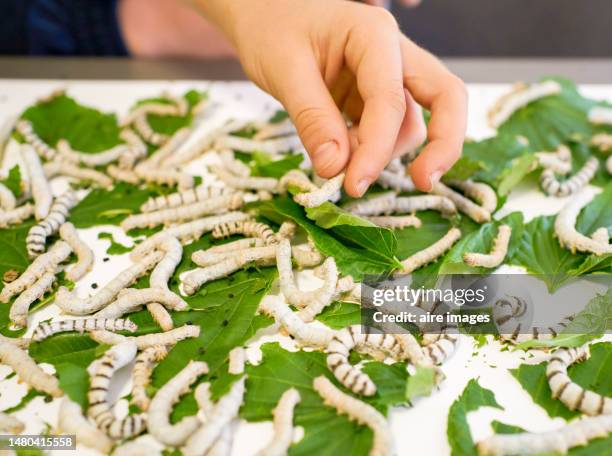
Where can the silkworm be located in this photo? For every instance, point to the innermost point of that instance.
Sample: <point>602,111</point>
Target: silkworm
<point>41,191</point>
<point>9,424</point>
<point>144,364</point>
<point>166,338</point>
<point>609,164</point>
<point>184,232</point>
<point>122,175</point>
<point>7,199</point>
<point>47,262</point>
<point>274,130</point>
<point>552,186</point>
<point>164,152</point>
<point>38,234</point>
<point>28,371</point>
<point>232,164</point>
<point>396,221</point>
<point>351,338</point>
<point>601,235</point>
<point>296,178</point>
<point>497,254</point>
<point>390,203</point>
<point>47,329</point>
<point>223,444</point>
<point>571,394</point>
<point>170,177</point>
<point>70,420</point>
<point>136,149</point>
<point>306,334</point>
<point>477,213</point>
<point>85,256</point>
<point>101,373</point>
<point>237,358</point>
<point>410,349</point>
<point>478,191</point>
<point>439,347</point>
<point>224,412</point>
<point>565,227</point>
<point>138,447</point>
<point>200,193</point>
<point>283,424</point>
<point>159,279</point>
<point>398,181</point>
<point>154,108</point>
<point>317,197</point>
<point>158,416</point>
<point>73,305</point>
<point>268,146</point>
<point>287,230</point>
<point>16,216</point>
<point>42,149</point>
<point>306,256</point>
<point>62,168</point>
<point>602,141</point>
<point>382,444</point>
<point>244,183</point>
<point>21,342</point>
<point>573,434</point>
<point>69,156</point>
<point>559,161</point>
<point>247,228</point>
<point>431,253</point>
<point>521,95</point>
<point>131,299</point>
<point>143,127</point>
<point>600,115</point>
<point>19,310</point>
<point>183,213</point>
<point>239,244</point>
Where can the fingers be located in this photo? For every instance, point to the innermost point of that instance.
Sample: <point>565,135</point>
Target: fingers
<point>413,131</point>
<point>375,59</point>
<point>437,89</point>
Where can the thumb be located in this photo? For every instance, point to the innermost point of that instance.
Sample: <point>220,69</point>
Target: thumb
<point>318,121</point>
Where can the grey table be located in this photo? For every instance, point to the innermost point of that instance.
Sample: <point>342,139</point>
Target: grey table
<point>594,71</point>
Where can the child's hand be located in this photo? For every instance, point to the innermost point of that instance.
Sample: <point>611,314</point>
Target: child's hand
<point>321,57</point>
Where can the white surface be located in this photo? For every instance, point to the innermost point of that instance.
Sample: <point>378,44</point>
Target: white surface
<point>418,430</point>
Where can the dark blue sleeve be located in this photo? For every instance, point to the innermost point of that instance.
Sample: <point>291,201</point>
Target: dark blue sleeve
<point>13,29</point>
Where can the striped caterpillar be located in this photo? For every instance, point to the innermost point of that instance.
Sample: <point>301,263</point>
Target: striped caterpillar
<point>70,420</point>
<point>69,156</point>
<point>478,191</point>
<point>101,373</point>
<point>559,161</point>
<point>389,203</point>
<point>16,216</point>
<point>42,149</point>
<point>70,303</point>
<point>159,279</point>
<point>283,424</point>
<point>167,176</point>
<point>602,141</point>
<point>410,348</point>
<point>297,179</point>
<point>350,338</point>
<point>477,213</point>
<point>395,221</point>
<point>306,334</point>
<point>184,232</point>
<point>244,183</point>
<point>247,228</point>
<point>164,152</point>
<point>136,149</point>
<point>10,424</point>
<point>398,181</point>
<point>19,310</point>
<point>497,254</point>
<point>274,130</point>
<point>7,199</point>
<point>269,146</point>
<point>576,433</point>
<point>520,96</point>
<point>38,234</point>
<point>565,227</point>
<point>85,256</point>
<point>62,168</point>
<point>317,197</point>
<point>223,444</point>
<point>571,394</point>
<point>48,329</point>
<point>158,415</point>
<point>145,362</point>
<point>431,253</point>
<point>184,213</point>
<point>28,371</point>
<point>224,412</point>
<point>359,411</point>
<point>132,298</point>
<point>200,193</point>
<point>47,262</point>
<point>600,115</point>
<point>166,338</point>
<point>122,175</point>
<point>233,165</point>
<point>552,186</point>
<point>41,191</point>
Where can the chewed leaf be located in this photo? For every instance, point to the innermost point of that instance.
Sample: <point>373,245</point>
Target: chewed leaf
<point>421,383</point>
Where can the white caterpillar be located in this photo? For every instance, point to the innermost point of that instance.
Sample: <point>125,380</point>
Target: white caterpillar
<point>297,179</point>
<point>73,305</point>
<point>602,141</point>
<point>559,161</point>
<point>317,197</point>
<point>9,424</point>
<point>283,424</point>
<point>244,183</point>
<point>395,221</point>
<point>101,373</point>
<point>551,186</point>
<point>150,107</point>
<point>160,276</point>
<point>21,342</point>
<point>38,234</point>
<point>70,420</point>
<point>26,129</point>
<point>237,358</point>
<point>19,310</point>
<point>16,216</point>
<point>165,176</point>
<point>478,191</point>
<point>431,253</point>
<point>136,149</point>
<point>477,213</point>
<point>565,227</point>
<point>232,164</point>
<point>164,152</point>
<point>224,412</point>
<point>520,95</point>
<point>571,394</point>
<point>138,447</point>
<point>47,329</point>
<point>144,364</point>
<point>359,411</point>
<point>62,168</point>
<point>133,298</point>
<point>184,232</point>
<point>229,247</point>
<point>41,191</point>
<point>247,228</point>
<point>122,175</point>
<point>7,199</point>
<point>28,371</point>
<point>389,203</point>
<point>600,115</point>
<point>200,193</point>
<point>158,416</point>
<point>269,146</point>
<point>398,181</point>
<point>47,262</point>
<point>184,213</point>
<point>576,433</point>
<point>85,256</point>
<point>497,254</point>
<point>223,444</point>
<point>143,127</point>
<point>166,338</point>
<point>69,156</point>
<point>274,130</point>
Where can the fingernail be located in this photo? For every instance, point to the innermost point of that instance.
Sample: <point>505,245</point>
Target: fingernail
<point>434,178</point>
<point>326,155</point>
<point>362,186</point>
